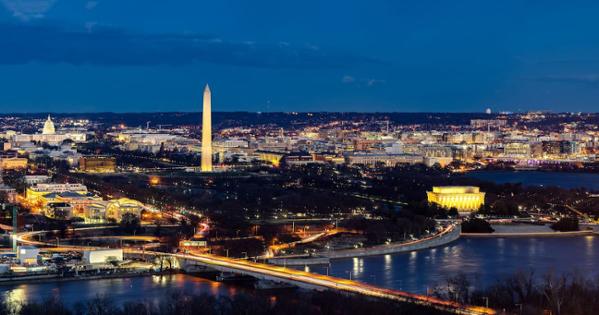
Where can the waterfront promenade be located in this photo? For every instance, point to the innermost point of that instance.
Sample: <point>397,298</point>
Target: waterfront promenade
<point>531,234</point>
<point>449,234</point>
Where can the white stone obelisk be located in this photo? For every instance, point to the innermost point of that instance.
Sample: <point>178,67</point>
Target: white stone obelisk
<point>207,131</point>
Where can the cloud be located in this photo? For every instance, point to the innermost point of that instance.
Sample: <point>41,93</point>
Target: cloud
<point>28,9</point>
<point>373,82</point>
<point>90,5</point>
<point>26,42</point>
<point>348,79</point>
<point>591,79</point>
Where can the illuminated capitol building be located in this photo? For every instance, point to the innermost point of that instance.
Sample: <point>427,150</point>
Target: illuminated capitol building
<point>463,198</point>
<point>49,135</point>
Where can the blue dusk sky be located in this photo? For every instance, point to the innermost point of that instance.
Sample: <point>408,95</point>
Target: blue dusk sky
<point>309,55</point>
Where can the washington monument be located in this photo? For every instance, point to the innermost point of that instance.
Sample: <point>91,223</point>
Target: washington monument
<point>207,131</point>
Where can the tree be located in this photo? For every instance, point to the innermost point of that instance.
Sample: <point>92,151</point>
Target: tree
<point>3,197</point>
<point>475,225</point>
<point>130,223</point>
<point>453,212</point>
<point>566,225</point>
<point>554,290</point>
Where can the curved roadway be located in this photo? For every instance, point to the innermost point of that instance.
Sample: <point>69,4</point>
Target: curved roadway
<point>287,274</point>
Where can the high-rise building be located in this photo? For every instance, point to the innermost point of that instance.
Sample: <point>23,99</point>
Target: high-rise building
<point>206,165</point>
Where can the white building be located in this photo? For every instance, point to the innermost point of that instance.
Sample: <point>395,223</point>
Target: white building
<point>36,179</point>
<point>28,255</point>
<point>49,135</point>
<point>372,159</point>
<point>102,256</point>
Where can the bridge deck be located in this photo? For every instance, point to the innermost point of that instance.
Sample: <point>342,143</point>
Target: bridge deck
<point>317,281</point>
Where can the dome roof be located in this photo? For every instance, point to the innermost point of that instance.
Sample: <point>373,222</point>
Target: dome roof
<point>48,127</point>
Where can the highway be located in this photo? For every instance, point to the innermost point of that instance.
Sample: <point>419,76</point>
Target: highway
<point>287,275</point>
<point>311,280</point>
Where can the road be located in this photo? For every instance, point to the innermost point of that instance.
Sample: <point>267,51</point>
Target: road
<point>321,281</point>
<point>283,274</point>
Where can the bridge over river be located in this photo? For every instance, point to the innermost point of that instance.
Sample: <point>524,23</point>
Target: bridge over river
<point>287,275</point>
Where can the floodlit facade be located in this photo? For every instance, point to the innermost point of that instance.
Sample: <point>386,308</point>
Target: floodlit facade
<point>273,158</point>
<point>372,159</point>
<point>48,135</point>
<point>206,165</point>
<point>118,207</point>
<point>97,164</point>
<point>463,198</point>
<point>42,194</point>
<point>95,212</point>
<point>12,163</point>
<point>49,127</point>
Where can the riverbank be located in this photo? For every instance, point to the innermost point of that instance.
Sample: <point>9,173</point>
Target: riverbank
<point>44,278</point>
<point>567,180</point>
<point>531,234</point>
<point>448,235</point>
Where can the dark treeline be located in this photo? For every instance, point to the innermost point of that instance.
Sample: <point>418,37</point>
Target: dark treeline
<point>475,225</point>
<point>526,293</point>
<point>300,303</point>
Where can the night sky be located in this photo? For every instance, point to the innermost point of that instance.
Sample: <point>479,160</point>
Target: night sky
<point>309,55</point>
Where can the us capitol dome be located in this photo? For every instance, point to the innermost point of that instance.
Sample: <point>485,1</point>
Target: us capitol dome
<point>49,127</point>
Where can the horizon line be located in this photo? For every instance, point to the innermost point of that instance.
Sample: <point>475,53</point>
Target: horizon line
<point>299,112</point>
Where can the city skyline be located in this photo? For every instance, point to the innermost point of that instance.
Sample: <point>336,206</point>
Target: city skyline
<point>97,56</point>
<point>383,156</point>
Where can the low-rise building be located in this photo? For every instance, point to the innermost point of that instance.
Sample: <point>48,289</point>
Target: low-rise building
<point>28,255</point>
<point>463,198</point>
<point>372,159</point>
<point>12,163</point>
<point>36,179</point>
<point>102,256</point>
<point>115,209</point>
<point>58,210</point>
<point>41,194</point>
<point>97,164</point>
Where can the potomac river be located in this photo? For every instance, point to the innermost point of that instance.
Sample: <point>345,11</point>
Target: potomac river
<point>567,180</point>
<point>484,259</point>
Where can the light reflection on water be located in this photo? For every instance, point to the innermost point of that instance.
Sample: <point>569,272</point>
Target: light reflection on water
<point>150,289</point>
<point>485,260</point>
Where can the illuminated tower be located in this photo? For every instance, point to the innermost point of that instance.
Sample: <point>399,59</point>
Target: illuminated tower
<point>207,131</point>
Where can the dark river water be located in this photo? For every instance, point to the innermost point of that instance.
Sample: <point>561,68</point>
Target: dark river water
<point>536,178</point>
<point>150,289</point>
<point>485,260</point>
